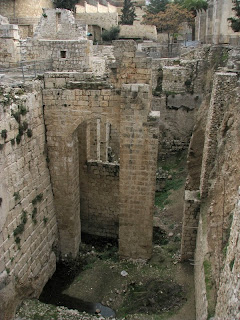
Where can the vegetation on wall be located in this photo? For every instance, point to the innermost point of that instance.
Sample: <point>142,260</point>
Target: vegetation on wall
<point>210,289</point>
<point>235,22</point>
<point>128,13</point>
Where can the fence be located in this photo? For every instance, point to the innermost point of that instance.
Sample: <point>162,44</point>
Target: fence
<point>24,70</point>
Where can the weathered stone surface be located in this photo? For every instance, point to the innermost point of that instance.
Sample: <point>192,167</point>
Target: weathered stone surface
<point>28,227</point>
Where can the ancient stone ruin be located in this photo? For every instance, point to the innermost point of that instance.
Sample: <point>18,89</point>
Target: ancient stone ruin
<point>79,143</point>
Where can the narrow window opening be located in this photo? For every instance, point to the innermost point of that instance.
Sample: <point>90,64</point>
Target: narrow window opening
<point>58,15</point>
<point>63,54</point>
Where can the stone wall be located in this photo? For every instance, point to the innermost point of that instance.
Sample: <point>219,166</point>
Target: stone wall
<point>211,190</point>
<point>65,55</point>
<point>228,294</point>
<point>59,24</point>
<point>28,229</point>
<point>62,40</point>
<point>177,90</point>
<point>161,48</point>
<point>24,8</point>
<point>138,31</point>
<point>219,195</point>
<point>99,185</point>
<point>192,193</point>
<point>89,101</point>
<point>131,66</point>
<point>80,101</point>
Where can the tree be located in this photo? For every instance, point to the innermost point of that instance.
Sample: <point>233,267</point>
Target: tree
<point>156,6</point>
<point>194,6</point>
<point>128,13</point>
<point>170,20</point>
<point>65,4</point>
<point>235,22</point>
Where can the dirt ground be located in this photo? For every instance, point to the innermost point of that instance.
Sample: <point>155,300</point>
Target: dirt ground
<point>162,288</point>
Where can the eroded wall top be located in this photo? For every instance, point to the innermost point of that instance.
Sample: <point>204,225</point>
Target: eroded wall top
<point>59,24</point>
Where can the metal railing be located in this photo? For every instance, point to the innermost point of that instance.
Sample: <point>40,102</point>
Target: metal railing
<point>24,70</point>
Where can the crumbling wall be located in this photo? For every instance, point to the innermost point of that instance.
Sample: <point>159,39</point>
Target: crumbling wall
<point>61,39</point>
<point>28,229</point>
<point>59,24</point>
<point>177,95</point>
<point>131,66</point>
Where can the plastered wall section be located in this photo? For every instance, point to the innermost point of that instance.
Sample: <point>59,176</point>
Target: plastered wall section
<point>103,20</point>
<point>88,8</point>
<point>28,227</point>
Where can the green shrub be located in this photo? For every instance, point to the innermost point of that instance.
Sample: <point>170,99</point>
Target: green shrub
<point>22,110</point>
<point>18,138</point>
<point>65,4</point>
<point>112,34</point>
<point>25,125</point>
<point>29,133</point>
<point>16,196</point>
<point>4,134</point>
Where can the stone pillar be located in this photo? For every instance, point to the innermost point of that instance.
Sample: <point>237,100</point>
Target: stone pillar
<point>138,162</point>
<point>64,167</point>
<point>9,48</point>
